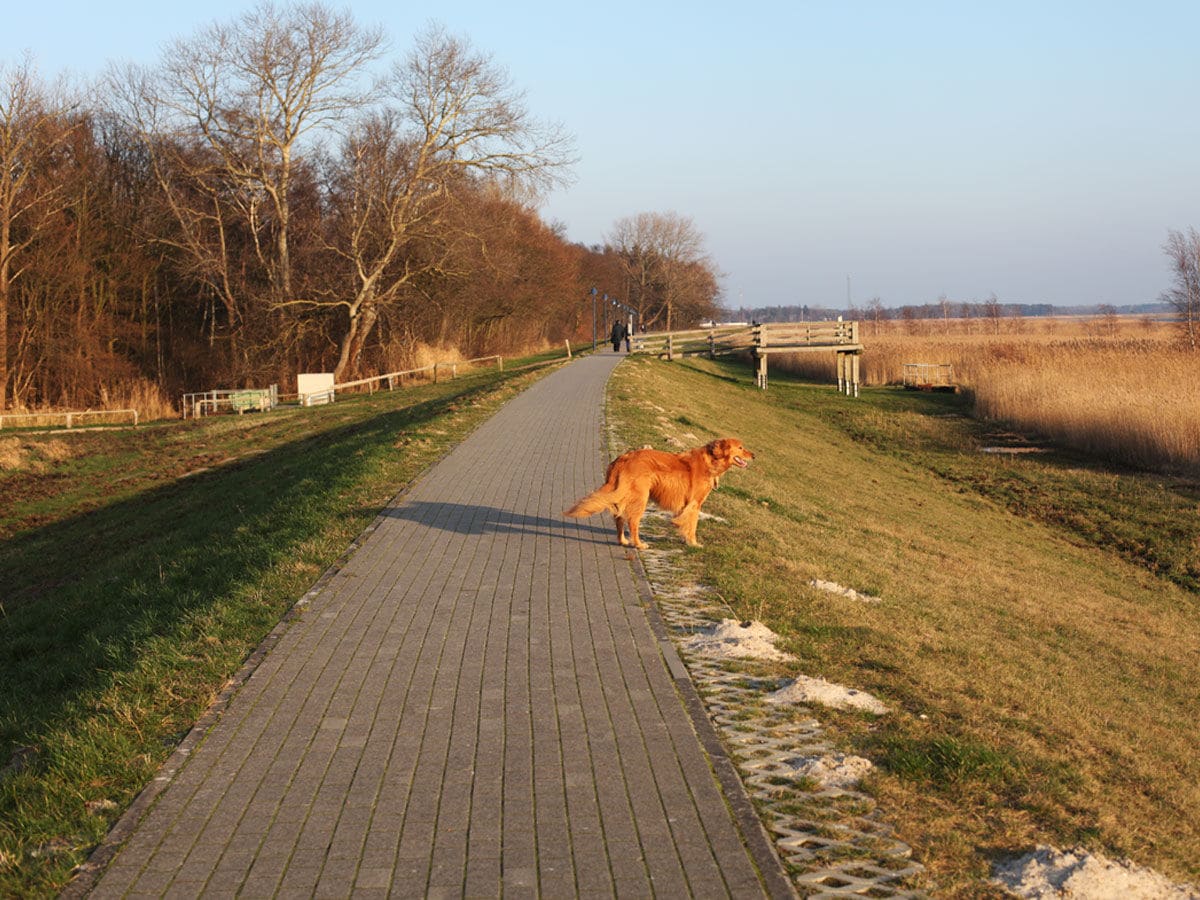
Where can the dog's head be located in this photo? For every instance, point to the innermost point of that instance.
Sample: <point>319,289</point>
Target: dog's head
<point>727,452</point>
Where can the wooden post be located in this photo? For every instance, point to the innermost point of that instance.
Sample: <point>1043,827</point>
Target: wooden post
<point>670,347</point>
<point>568,349</point>
<point>854,370</point>
<point>761,374</point>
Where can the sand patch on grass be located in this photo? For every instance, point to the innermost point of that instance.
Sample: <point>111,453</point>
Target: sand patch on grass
<point>817,690</point>
<point>832,770</point>
<point>1079,875</point>
<point>732,639</point>
<point>848,593</point>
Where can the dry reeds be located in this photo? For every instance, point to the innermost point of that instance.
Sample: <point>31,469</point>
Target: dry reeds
<point>140,394</point>
<point>1125,392</point>
<point>143,395</point>
<point>1138,404</point>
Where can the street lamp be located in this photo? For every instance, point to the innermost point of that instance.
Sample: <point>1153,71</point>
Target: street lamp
<point>593,320</point>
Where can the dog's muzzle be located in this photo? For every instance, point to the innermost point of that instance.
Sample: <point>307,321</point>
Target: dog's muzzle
<point>741,462</point>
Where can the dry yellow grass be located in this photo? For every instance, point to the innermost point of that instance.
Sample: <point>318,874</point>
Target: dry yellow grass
<point>11,454</point>
<point>143,395</point>
<point>140,394</point>
<point>34,454</point>
<point>1123,390</point>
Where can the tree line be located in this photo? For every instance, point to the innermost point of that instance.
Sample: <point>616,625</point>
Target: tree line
<point>279,194</point>
<point>1180,304</point>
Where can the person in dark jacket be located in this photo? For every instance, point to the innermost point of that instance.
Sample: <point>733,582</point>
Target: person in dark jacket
<point>618,335</point>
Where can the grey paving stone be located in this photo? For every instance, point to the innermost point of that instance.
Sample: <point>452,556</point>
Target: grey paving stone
<point>474,704</point>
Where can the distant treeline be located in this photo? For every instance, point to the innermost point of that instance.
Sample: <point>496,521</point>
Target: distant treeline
<point>938,310</point>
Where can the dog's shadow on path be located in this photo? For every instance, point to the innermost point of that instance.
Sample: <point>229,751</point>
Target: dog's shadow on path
<point>472,519</point>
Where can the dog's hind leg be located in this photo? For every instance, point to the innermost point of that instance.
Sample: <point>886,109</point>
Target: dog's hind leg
<point>633,515</point>
<point>621,539</point>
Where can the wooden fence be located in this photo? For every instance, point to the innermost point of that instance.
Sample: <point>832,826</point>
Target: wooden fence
<point>201,403</point>
<point>69,419</point>
<point>396,379</point>
<point>760,341</point>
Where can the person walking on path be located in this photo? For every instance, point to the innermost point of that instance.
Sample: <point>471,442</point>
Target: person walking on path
<point>618,335</point>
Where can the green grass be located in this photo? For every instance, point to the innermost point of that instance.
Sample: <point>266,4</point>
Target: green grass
<point>140,568</point>
<point>1037,635</point>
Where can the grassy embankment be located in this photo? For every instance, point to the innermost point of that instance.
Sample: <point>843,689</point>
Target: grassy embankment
<point>1038,631</point>
<point>140,568</point>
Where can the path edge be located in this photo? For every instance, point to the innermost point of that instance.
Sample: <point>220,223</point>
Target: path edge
<point>749,823</point>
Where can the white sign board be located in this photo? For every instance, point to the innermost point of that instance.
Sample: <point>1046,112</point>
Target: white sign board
<point>315,387</point>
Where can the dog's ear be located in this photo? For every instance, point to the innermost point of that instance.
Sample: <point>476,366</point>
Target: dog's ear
<point>719,448</point>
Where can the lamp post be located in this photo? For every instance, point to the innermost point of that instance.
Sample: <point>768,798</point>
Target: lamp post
<point>593,320</point>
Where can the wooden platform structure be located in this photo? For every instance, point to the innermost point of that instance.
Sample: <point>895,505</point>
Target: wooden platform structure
<point>929,377</point>
<point>760,341</point>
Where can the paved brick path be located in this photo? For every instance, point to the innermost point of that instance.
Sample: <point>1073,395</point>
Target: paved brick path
<point>475,705</point>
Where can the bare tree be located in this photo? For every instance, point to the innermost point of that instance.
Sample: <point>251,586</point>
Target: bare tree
<point>255,88</point>
<point>454,124</point>
<point>944,305</point>
<point>994,312</point>
<point>667,266</point>
<point>1183,250</point>
<point>878,313</point>
<point>33,130</point>
<point>225,116</point>
<point>1108,316</point>
<point>633,240</point>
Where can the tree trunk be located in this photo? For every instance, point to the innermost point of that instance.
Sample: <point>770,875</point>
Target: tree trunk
<point>4,295</point>
<point>353,341</point>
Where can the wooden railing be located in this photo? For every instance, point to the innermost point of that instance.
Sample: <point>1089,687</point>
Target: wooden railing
<point>773,337</point>
<point>68,419</point>
<point>393,379</point>
<point>762,340</point>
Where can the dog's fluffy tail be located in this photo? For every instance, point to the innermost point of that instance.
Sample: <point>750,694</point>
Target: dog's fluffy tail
<point>597,501</point>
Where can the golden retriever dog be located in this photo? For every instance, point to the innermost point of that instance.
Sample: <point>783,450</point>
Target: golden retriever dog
<point>677,482</point>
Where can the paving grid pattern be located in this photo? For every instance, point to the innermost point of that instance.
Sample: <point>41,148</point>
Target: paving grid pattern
<point>475,704</point>
<point>834,840</point>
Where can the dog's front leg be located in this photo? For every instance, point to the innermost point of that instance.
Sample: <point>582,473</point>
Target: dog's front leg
<point>686,522</point>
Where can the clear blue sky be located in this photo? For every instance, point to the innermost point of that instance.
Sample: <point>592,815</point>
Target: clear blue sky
<point>1037,150</point>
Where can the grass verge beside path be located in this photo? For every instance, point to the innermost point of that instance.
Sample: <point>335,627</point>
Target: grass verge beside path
<point>140,568</point>
<point>1037,637</point>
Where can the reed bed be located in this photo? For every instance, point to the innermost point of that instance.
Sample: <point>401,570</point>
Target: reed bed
<point>1127,393</point>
